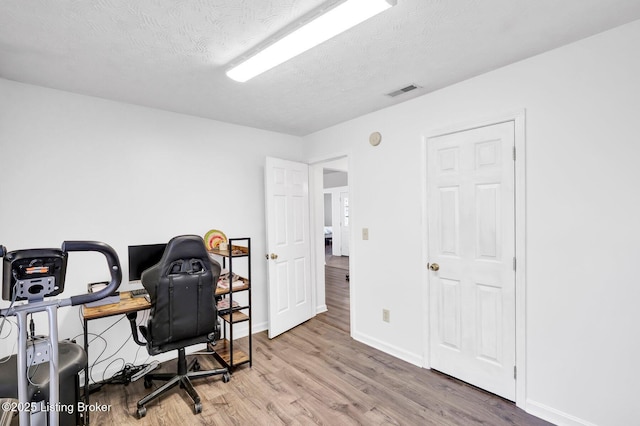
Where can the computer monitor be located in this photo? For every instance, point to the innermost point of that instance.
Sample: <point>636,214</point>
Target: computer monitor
<point>142,257</point>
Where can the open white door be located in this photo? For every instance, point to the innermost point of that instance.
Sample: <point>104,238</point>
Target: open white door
<point>288,246</point>
<point>470,192</point>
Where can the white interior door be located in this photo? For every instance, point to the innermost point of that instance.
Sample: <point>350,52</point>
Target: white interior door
<point>288,246</point>
<point>471,219</point>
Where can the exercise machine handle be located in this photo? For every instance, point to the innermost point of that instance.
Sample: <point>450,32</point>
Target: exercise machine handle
<point>3,250</point>
<point>114,269</point>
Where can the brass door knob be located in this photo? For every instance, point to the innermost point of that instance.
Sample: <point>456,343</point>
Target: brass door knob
<point>273,256</point>
<point>434,267</point>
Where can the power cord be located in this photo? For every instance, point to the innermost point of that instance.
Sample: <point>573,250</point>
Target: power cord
<point>13,301</point>
<point>128,367</point>
<point>131,373</point>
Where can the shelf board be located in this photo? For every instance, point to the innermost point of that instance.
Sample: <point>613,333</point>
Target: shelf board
<point>245,286</point>
<point>237,317</point>
<point>237,251</point>
<point>237,308</point>
<point>222,351</point>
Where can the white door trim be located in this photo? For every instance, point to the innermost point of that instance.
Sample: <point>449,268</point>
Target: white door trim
<point>518,117</point>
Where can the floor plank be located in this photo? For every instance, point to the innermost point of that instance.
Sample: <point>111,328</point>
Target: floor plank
<point>316,374</point>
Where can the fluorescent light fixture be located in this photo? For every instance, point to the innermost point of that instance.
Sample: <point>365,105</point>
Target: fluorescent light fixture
<point>337,20</point>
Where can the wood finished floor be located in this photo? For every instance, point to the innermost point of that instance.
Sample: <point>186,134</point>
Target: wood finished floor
<point>316,374</point>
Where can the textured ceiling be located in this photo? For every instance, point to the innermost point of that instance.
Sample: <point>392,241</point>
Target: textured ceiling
<point>173,54</point>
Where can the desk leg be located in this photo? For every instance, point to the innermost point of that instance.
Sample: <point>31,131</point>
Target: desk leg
<point>86,373</point>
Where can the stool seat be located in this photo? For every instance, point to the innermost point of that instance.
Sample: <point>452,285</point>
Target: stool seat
<point>71,360</point>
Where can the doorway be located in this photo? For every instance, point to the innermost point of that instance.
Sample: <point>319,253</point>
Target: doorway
<point>331,216</point>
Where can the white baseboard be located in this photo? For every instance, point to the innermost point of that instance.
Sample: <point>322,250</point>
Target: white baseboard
<point>415,359</point>
<point>258,327</point>
<point>554,416</point>
<point>321,309</point>
<point>242,330</point>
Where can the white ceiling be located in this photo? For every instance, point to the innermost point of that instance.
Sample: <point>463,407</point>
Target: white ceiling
<point>173,54</point>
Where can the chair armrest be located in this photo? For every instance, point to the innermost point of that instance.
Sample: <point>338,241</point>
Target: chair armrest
<point>134,329</point>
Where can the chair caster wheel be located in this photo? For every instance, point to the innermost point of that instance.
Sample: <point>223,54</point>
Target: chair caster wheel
<point>197,407</point>
<point>142,411</point>
<point>147,383</point>
<point>196,366</point>
<point>226,377</point>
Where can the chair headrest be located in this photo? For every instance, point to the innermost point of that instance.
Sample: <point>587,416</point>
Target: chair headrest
<point>184,247</point>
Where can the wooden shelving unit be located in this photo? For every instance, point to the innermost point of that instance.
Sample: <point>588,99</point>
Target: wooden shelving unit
<point>236,313</point>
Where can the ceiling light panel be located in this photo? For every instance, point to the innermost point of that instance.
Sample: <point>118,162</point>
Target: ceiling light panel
<point>337,20</point>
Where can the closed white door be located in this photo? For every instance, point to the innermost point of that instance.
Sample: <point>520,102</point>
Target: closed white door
<point>471,219</point>
<point>288,246</point>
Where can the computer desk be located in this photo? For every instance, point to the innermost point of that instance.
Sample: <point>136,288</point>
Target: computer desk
<point>126,305</point>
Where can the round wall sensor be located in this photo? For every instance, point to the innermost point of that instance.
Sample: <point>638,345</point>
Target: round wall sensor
<point>375,138</point>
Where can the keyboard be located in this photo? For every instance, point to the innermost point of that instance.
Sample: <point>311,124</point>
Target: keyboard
<point>139,292</point>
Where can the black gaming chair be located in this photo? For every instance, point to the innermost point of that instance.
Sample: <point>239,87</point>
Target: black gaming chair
<point>183,313</point>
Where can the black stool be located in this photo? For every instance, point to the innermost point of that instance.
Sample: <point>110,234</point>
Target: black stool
<point>71,360</point>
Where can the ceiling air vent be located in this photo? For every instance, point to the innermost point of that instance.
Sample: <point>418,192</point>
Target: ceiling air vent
<point>403,90</point>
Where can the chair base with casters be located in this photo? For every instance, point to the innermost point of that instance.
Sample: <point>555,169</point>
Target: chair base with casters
<point>183,378</point>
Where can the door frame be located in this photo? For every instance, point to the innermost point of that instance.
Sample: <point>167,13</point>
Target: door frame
<point>316,199</point>
<point>518,118</point>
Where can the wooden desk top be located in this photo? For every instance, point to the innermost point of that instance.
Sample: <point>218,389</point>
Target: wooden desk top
<point>127,304</point>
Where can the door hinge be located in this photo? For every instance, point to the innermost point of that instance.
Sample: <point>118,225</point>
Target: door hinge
<point>514,263</point>
<point>515,372</point>
<point>514,153</point>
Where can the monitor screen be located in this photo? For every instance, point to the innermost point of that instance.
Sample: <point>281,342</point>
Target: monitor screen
<point>143,257</point>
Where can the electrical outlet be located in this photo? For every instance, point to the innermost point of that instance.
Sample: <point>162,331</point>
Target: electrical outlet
<point>365,233</point>
<point>385,315</point>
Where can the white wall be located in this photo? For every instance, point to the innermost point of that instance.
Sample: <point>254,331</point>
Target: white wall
<point>333,179</point>
<point>76,167</point>
<point>582,106</point>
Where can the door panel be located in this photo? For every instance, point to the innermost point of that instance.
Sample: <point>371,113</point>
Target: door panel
<point>450,314</point>
<point>471,219</point>
<point>288,246</point>
<point>449,221</point>
<point>282,282</point>
<point>301,268</point>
